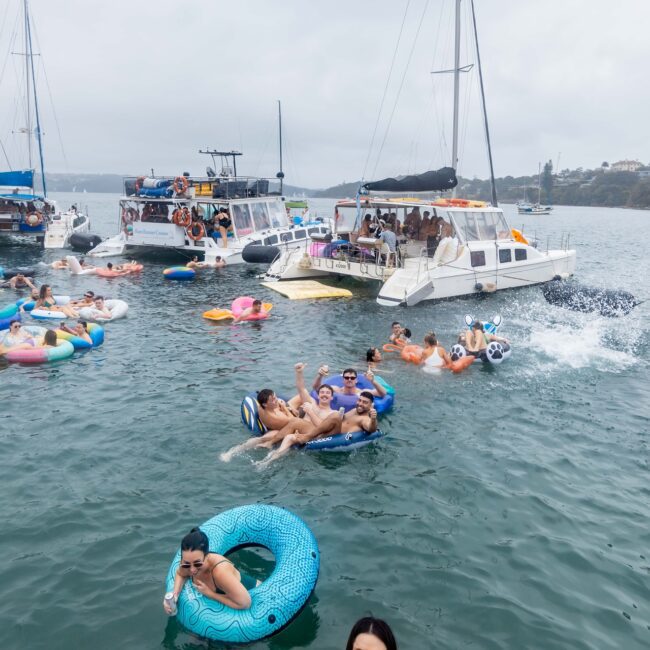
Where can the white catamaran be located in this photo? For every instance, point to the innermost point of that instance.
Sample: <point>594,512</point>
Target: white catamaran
<point>445,248</point>
<point>228,216</point>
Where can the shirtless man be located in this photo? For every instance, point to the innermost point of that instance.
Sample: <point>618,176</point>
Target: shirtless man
<point>275,414</point>
<point>19,281</point>
<point>104,311</point>
<point>362,418</point>
<point>255,308</point>
<point>88,300</point>
<point>350,382</point>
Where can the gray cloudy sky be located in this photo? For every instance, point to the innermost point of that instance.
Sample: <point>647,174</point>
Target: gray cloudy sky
<point>137,84</point>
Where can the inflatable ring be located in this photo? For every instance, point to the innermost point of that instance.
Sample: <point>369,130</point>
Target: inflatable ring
<point>275,602</point>
<point>250,416</point>
<point>34,219</point>
<point>118,309</point>
<point>96,333</point>
<point>181,217</point>
<point>181,184</point>
<point>179,273</point>
<point>412,354</point>
<point>27,271</point>
<point>63,350</point>
<point>192,231</point>
<point>348,402</point>
<point>244,302</point>
<point>8,314</point>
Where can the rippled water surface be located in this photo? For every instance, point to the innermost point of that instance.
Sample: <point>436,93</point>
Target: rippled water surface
<point>507,508</point>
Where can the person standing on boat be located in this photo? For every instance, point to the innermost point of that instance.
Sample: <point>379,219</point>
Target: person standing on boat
<point>389,244</point>
<point>225,223</point>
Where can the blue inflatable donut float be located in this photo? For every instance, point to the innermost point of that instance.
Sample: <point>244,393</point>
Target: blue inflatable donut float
<point>348,402</point>
<point>8,315</point>
<point>275,602</point>
<point>338,442</point>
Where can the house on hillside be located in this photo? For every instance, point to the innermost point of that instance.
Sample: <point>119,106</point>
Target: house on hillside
<point>626,166</point>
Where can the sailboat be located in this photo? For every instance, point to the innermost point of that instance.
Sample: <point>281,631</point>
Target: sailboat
<point>466,248</point>
<point>536,208</point>
<point>24,211</point>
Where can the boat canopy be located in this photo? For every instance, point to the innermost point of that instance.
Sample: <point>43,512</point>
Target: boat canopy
<point>21,197</point>
<point>24,178</point>
<point>431,181</point>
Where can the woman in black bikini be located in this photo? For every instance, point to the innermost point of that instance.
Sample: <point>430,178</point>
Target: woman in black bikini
<point>224,223</point>
<point>212,574</point>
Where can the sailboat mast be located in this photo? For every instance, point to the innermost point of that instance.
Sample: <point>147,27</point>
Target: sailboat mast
<point>539,183</point>
<point>39,139</point>
<point>28,107</point>
<point>454,151</point>
<point>280,174</point>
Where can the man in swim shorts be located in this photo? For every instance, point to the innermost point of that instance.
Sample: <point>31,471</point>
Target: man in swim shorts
<point>350,382</point>
<point>362,418</point>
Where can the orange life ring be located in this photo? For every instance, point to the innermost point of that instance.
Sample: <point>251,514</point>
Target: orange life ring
<point>182,217</point>
<point>390,347</point>
<point>34,219</point>
<point>138,183</point>
<point>181,184</point>
<point>517,235</point>
<point>192,228</point>
<point>461,364</point>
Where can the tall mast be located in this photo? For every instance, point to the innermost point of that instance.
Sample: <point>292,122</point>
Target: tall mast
<point>493,184</point>
<point>280,174</point>
<point>539,183</point>
<point>454,151</point>
<point>30,59</point>
<point>28,107</point>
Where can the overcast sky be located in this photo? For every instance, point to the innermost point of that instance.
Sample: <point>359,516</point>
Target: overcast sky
<point>137,84</point>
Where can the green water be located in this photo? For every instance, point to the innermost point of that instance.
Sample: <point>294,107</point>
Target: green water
<point>507,508</point>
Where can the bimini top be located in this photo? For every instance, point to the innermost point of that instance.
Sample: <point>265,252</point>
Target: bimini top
<point>431,181</point>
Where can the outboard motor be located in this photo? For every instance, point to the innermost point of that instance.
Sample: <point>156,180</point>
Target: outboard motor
<point>84,241</point>
<point>259,254</point>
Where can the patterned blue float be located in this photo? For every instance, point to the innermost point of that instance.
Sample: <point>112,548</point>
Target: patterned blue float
<point>278,599</point>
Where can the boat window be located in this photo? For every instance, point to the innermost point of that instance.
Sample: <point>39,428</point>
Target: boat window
<point>505,255</point>
<point>477,258</point>
<point>271,241</point>
<point>466,225</point>
<point>501,225</point>
<point>286,236</point>
<point>300,234</point>
<point>277,214</point>
<point>311,231</point>
<point>521,254</point>
<point>486,225</point>
<point>260,216</point>
<point>241,218</point>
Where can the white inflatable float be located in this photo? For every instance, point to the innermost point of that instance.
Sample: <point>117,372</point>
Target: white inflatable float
<point>118,309</point>
<point>76,268</point>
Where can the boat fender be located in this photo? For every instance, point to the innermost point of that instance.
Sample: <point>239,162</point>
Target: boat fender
<point>257,254</point>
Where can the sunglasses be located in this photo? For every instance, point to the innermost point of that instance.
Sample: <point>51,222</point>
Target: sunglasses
<point>196,564</point>
<point>349,376</point>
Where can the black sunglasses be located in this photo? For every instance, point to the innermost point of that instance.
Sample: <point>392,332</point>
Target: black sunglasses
<point>349,376</point>
<point>196,564</point>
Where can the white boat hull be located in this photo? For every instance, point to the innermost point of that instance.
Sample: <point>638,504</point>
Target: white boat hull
<point>62,226</point>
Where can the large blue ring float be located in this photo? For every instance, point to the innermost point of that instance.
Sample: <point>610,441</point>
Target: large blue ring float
<point>348,402</point>
<point>338,442</point>
<point>275,602</point>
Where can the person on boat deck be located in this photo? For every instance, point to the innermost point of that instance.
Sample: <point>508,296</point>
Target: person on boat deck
<point>371,633</point>
<point>412,223</point>
<point>18,337</point>
<point>219,262</point>
<point>362,418</point>
<point>213,575</point>
<point>225,224</point>
<point>80,330</point>
<point>350,382</point>
<point>366,229</point>
<point>389,244</point>
<point>255,308</point>
<point>19,281</point>
<point>104,311</point>
<point>46,301</point>
<point>87,300</point>
<point>424,227</point>
<point>434,356</point>
<point>275,414</point>
<point>478,339</point>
